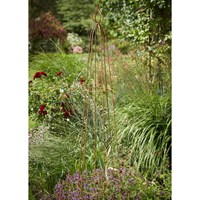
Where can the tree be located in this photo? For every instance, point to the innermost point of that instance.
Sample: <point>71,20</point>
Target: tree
<point>140,21</point>
<point>38,7</point>
<point>76,15</point>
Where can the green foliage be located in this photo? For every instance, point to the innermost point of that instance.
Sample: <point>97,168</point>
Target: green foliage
<point>61,95</point>
<point>38,7</point>
<point>76,15</point>
<point>137,20</point>
<point>146,133</point>
<point>124,46</point>
<point>50,157</point>
<point>144,111</point>
<point>133,78</point>
<point>115,183</point>
<point>30,195</point>
<point>73,40</point>
<point>71,65</point>
<point>142,132</point>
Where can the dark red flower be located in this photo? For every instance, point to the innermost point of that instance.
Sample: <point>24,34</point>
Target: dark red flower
<point>81,81</point>
<point>66,95</point>
<point>44,112</point>
<point>43,73</point>
<point>39,74</point>
<point>41,110</point>
<point>59,73</point>
<point>68,113</point>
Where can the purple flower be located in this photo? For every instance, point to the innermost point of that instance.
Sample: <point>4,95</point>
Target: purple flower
<point>85,185</point>
<point>76,176</point>
<point>131,181</point>
<point>86,197</point>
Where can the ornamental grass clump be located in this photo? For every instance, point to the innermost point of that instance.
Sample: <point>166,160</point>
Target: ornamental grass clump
<point>145,133</point>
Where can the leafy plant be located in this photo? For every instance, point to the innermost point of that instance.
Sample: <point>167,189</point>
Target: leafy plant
<point>56,97</point>
<point>75,15</point>
<point>76,141</point>
<point>138,21</point>
<point>146,133</point>
<point>143,113</point>
<point>43,29</point>
<point>115,183</point>
<point>124,46</point>
<point>50,157</point>
<point>73,40</point>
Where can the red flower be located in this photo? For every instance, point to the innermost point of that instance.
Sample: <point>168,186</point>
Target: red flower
<point>43,73</point>
<point>41,110</point>
<point>39,74</point>
<point>66,95</point>
<point>59,73</point>
<point>44,112</point>
<point>81,81</point>
<point>68,113</point>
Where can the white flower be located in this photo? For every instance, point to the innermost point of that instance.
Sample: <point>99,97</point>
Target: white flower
<point>61,90</point>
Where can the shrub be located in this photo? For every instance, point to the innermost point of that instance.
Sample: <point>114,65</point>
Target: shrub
<point>73,40</point>
<point>43,29</point>
<point>56,101</point>
<point>124,46</point>
<point>56,91</point>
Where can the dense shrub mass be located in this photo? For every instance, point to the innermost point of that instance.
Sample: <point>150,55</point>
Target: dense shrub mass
<point>44,28</point>
<point>56,97</point>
